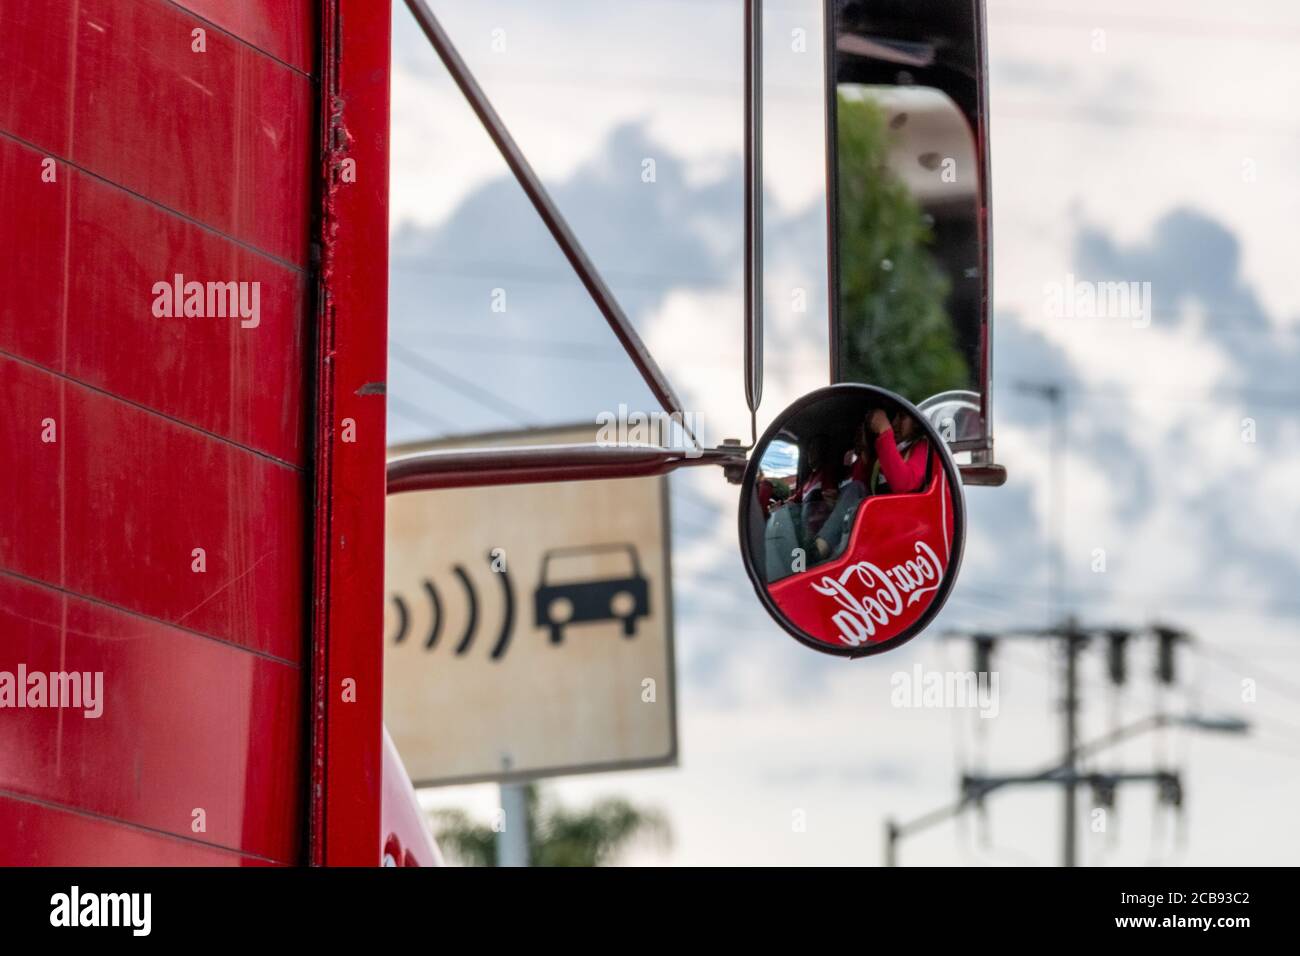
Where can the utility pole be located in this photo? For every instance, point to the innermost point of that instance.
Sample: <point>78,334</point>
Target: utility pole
<point>1074,641</point>
<point>1065,772</point>
<point>892,835</point>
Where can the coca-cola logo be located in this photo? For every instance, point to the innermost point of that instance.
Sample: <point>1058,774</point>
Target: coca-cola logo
<point>872,598</point>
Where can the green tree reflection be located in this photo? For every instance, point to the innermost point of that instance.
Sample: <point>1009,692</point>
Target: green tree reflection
<point>894,326</point>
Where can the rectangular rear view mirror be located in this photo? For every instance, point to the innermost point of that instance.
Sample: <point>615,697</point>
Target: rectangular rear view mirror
<point>908,204</point>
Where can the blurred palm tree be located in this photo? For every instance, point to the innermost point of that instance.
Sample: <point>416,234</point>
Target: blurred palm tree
<point>557,836</point>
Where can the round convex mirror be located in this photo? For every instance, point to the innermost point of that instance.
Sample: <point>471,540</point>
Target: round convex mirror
<point>852,520</point>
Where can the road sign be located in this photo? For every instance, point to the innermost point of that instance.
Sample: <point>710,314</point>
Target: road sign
<point>529,627</point>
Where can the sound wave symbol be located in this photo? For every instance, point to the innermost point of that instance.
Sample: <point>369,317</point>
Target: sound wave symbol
<point>471,623</point>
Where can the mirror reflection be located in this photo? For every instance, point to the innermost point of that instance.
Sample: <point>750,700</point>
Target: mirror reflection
<point>909,313</point>
<point>849,521</point>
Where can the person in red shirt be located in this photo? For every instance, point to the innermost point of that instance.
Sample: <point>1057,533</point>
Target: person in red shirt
<point>902,452</point>
<point>899,463</point>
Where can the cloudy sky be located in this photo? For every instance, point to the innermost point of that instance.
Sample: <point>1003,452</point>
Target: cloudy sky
<point>1151,146</point>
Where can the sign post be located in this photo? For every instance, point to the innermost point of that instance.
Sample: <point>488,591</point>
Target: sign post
<point>512,839</point>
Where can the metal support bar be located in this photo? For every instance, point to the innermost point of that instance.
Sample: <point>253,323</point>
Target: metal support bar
<point>460,468</point>
<point>548,211</point>
<point>753,207</point>
<point>977,785</point>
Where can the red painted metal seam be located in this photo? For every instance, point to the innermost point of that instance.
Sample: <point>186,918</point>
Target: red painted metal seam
<point>145,619</point>
<point>90,174</point>
<point>282,30</point>
<point>324,412</point>
<point>352,315</point>
<point>115,506</point>
<point>139,406</point>
<point>39,834</point>
<point>169,733</point>
<point>123,88</point>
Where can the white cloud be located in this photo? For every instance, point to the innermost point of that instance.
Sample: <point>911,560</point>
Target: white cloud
<point>1110,142</point>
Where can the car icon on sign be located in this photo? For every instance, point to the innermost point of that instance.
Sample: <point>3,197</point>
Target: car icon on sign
<point>623,598</point>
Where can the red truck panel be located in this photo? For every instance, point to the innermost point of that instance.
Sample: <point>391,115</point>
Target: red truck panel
<point>92,319</point>
<point>225,137</point>
<point>171,433</point>
<point>37,834</point>
<point>132,436</point>
<point>115,508</point>
<point>284,29</point>
<point>187,723</point>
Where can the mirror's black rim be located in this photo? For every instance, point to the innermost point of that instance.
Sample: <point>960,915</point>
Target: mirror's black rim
<point>957,494</point>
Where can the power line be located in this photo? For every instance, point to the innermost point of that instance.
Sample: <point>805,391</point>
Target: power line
<point>532,76</point>
<point>545,275</point>
<point>1264,747</point>
<point>465,387</point>
<point>1214,320</point>
<point>416,414</point>
<point>1265,606</point>
<point>531,348</point>
<point>1240,664</point>
<point>1162,24</point>
<point>1208,395</point>
<point>703,508</point>
<point>1085,114</point>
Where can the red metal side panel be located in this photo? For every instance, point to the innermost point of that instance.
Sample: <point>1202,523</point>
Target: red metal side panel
<point>286,29</point>
<point>130,438</point>
<point>223,136</point>
<point>36,834</point>
<point>186,723</point>
<point>113,248</point>
<point>347,703</point>
<point>115,508</point>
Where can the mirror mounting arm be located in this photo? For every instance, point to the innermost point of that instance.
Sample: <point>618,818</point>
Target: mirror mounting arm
<point>985,474</point>
<point>534,464</point>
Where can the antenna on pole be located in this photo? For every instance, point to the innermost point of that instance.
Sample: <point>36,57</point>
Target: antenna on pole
<point>753,209</point>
